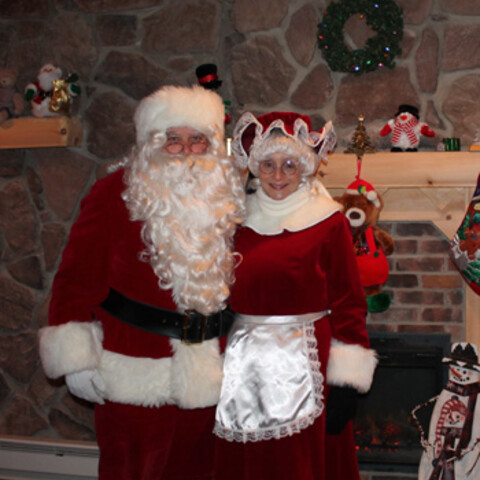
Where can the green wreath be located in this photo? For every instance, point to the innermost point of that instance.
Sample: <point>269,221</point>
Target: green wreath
<point>383,16</point>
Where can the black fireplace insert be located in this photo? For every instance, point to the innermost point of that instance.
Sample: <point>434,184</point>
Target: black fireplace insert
<point>410,371</point>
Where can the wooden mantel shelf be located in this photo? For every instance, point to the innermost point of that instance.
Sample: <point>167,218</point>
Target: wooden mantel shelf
<point>433,186</point>
<point>31,132</point>
<point>405,169</point>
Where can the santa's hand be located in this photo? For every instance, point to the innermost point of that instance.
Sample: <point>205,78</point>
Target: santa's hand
<point>86,384</point>
<point>341,407</point>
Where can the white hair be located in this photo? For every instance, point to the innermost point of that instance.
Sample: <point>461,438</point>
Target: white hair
<point>190,206</point>
<point>278,142</point>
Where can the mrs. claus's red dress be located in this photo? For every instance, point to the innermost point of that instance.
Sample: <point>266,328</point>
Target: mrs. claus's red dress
<point>301,326</point>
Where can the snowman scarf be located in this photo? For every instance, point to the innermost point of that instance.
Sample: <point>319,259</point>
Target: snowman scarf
<point>452,422</point>
<point>408,128</point>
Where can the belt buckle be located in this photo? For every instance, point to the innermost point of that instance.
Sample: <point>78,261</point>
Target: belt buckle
<point>187,316</point>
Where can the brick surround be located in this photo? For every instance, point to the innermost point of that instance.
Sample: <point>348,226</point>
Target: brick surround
<point>427,292</point>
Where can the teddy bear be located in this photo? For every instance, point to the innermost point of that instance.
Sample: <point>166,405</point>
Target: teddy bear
<point>11,101</point>
<point>406,129</point>
<point>51,93</point>
<point>362,206</point>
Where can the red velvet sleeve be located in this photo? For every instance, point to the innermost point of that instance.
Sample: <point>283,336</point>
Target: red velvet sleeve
<point>81,281</point>
<point>345,293</point>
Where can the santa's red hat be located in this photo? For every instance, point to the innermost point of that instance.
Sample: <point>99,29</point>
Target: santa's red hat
<point>254,138</point>
<point>171,106</point>
<point>362,187</point>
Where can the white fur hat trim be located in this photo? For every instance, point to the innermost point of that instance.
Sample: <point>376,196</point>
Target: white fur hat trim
<point>370,196</point>
<point>170,106</point>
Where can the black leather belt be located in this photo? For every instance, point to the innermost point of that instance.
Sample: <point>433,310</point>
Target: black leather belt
<point>189,327</point>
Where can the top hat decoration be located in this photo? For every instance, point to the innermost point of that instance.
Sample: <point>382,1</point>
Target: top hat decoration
<point>407,109</point>
<point>463,355</point>
<point>207,76</point>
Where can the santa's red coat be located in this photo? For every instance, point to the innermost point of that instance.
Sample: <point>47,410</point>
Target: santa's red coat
<point>158,441</point>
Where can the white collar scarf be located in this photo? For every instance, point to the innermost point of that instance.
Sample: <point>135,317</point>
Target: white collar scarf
<point>298,211</point>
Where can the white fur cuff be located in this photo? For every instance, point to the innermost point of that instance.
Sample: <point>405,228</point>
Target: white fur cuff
<point>196,374</point>
<point>71,347</point>
<point>351,365</point>
<point>136,380</point>
<point>190,379</point>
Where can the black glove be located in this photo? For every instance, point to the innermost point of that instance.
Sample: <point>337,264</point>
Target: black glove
<point>341,407</point>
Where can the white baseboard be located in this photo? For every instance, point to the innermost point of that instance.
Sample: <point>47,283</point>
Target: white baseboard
<point>23,458</point>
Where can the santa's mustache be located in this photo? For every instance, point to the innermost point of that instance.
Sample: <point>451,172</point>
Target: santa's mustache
<point>182,173</point>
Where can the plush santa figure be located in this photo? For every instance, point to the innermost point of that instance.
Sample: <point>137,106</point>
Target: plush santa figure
<point>49,81</point>
<point>406,129</point>
<point>452,450</point>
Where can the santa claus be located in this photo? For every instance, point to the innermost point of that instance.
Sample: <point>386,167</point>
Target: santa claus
<point>138,302</point>
<point>40,93</point>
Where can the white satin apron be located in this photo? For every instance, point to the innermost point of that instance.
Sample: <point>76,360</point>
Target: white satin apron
<point>272,385</point>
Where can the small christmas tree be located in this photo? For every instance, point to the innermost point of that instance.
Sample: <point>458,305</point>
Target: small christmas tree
<point>360,140</point>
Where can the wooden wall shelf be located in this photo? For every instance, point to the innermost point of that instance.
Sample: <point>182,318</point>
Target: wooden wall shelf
<point>31,132</point>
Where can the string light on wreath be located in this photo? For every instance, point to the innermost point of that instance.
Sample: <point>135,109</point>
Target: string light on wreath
<point>384,17</point>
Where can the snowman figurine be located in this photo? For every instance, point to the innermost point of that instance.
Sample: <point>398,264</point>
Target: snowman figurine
<point>452,450</point>
<point>406,129</point>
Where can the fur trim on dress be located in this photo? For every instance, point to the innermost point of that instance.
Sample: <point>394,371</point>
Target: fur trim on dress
<point>351,365</point>
<point>71,347</point>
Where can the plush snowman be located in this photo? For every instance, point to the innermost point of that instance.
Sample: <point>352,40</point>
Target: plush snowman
<point>452,450</point>
<point>406,129</point>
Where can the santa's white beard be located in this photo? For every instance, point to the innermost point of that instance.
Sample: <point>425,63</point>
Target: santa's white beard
<point>189,213</point>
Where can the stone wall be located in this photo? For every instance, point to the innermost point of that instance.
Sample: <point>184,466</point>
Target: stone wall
<point>267,58</point>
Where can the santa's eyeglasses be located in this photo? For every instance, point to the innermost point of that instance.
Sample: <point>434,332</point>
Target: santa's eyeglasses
<point>175,144</point>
